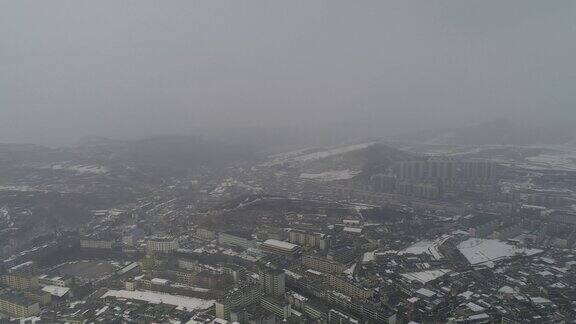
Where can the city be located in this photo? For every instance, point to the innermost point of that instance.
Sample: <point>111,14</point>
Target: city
<point>287,162</point>
<point>426,238</point>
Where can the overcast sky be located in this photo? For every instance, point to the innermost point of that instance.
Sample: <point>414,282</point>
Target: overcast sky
<point>136,68</point>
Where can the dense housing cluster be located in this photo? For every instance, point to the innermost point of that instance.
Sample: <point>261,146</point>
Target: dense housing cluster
<point>291,240</point>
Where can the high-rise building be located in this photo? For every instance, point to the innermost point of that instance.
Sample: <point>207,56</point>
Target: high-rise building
<point>447,170</point>
<point>243,296</point>
<point>95,243</point>
<point>19,282</point>
<point>164,244</point>
<point>308,239</point>
<point>384,182</point>
<point>242,240</point>
<point>272,281</point>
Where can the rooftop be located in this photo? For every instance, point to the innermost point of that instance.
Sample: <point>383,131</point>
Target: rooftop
<point>280,244</point>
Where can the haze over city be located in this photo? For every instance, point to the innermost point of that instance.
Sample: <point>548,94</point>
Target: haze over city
<point>295,162</point>
<point>137,69</point>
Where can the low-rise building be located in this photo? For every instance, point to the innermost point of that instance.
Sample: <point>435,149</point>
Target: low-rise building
<point>186,277</point>
<point>60,281</point>
<point>276,306</point>
<point>18,306</point>
<point>309,239</point>
<point>165,244</point>
<point>205,234</point>
<point>40,296</point>
<point>19,282</point>
<point>322,264</point>
<point>95,243</point>
<point>236,239</point>
<point>338,317</point>
<point>348,288</point>
<point>282,248</point>
<point>26,268</point>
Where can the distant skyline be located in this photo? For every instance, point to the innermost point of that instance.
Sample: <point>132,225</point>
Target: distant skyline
<point>120,69</point>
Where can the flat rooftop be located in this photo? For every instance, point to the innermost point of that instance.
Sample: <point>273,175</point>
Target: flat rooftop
<point>281,245</point>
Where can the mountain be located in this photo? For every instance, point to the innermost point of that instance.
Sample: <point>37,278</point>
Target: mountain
<point>100,165</point>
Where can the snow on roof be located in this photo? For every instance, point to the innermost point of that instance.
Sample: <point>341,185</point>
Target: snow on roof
<point>353,230</point>
<point>56,290</point>
<point>506,290</point>
<point>295,312</point>
<point>342,315</point>
<point>293,274</point>
<point>478,251</point>
<point>548,260</point>
<point>127,268</point>
<point>475,307</point>
<point>22,265</point>
<point>298,296</point>
<point>182,302</point>
<point>525,206</point>
<point>314,272</point>
<point>214,321</point>
<point>425,276</point>
<point>101,310</point>
<point>159,281</point>
<point>280,244</point>
<point>425,292</point>
<point>413,300</point>
<point>368,257</point>
<point>557,285</point>
<point>427,247</point>
<point>479,317</point>
<point>420,247</point>
<point>350,270</point>
<point>540,300</point>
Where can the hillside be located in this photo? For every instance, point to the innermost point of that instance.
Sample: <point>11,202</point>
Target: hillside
<point>339,162</point>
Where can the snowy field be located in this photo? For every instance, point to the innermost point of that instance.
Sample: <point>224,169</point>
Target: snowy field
<point>301,156</point>
<point>181,302</point>
<point>76,168</point>
<point>480,251</point>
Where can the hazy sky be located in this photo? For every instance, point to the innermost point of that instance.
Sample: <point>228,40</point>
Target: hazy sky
<point>132,68</point>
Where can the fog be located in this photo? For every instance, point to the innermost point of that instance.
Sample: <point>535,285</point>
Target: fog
<point>127,69</point>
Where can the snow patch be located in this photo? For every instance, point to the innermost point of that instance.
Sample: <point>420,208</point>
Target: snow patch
<point>182,302</point>
<point>301,156</point>
<point>426,276</point>
<point>480,251</point>
<point>330,175</point>
<point>76,168</point>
